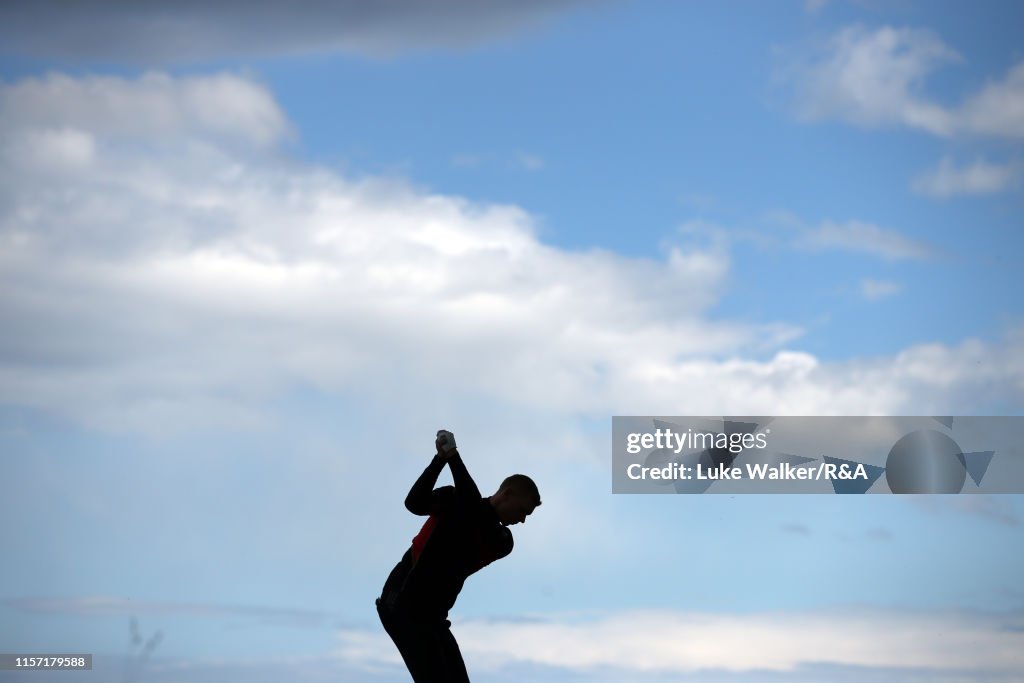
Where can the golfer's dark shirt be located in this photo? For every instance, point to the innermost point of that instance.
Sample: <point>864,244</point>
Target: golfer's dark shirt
<point>462,534</point>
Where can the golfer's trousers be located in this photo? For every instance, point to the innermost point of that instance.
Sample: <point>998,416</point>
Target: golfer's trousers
<point>428,647</point>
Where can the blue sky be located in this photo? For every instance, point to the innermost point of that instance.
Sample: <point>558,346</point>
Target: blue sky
<point>252,259</point>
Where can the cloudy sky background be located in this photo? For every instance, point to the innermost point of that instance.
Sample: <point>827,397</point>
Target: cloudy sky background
<point>251,260</point>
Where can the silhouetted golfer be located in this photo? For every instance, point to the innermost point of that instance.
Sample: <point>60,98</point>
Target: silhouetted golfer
<point>464,533</point>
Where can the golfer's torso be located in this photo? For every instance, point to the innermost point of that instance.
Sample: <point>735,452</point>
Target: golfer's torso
<point>450,546</point>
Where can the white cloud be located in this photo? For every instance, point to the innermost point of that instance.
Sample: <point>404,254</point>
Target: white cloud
<point>662,641</point>
<point>864,237</point>
<point>978,178</point>
<point>213,261</point>
<point>998,109</point>
<point>876,78</point>
<point>879,289</point>
<point>530,162</point>
<point>465,161</point>
<point>182,284</point>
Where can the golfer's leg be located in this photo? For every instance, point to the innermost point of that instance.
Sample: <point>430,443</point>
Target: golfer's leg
<point>454,664</point>
<point>400,636</point>
<point>421,645</point>
<point>433,656</point>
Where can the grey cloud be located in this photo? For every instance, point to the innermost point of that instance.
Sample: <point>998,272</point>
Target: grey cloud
<point>867,238</point>
<point>187,30</point>
<point>116,606</point>
<point>64,116</point>
<point>990,508</point>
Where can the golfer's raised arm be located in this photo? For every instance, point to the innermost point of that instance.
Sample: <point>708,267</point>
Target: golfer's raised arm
<point>465,488</point>
<point>421,499</point>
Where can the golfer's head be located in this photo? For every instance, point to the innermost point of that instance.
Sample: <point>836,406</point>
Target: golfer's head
<point>516,499</point>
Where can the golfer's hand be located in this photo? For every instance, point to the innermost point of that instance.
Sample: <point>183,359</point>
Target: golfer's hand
<point>441,452</point>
